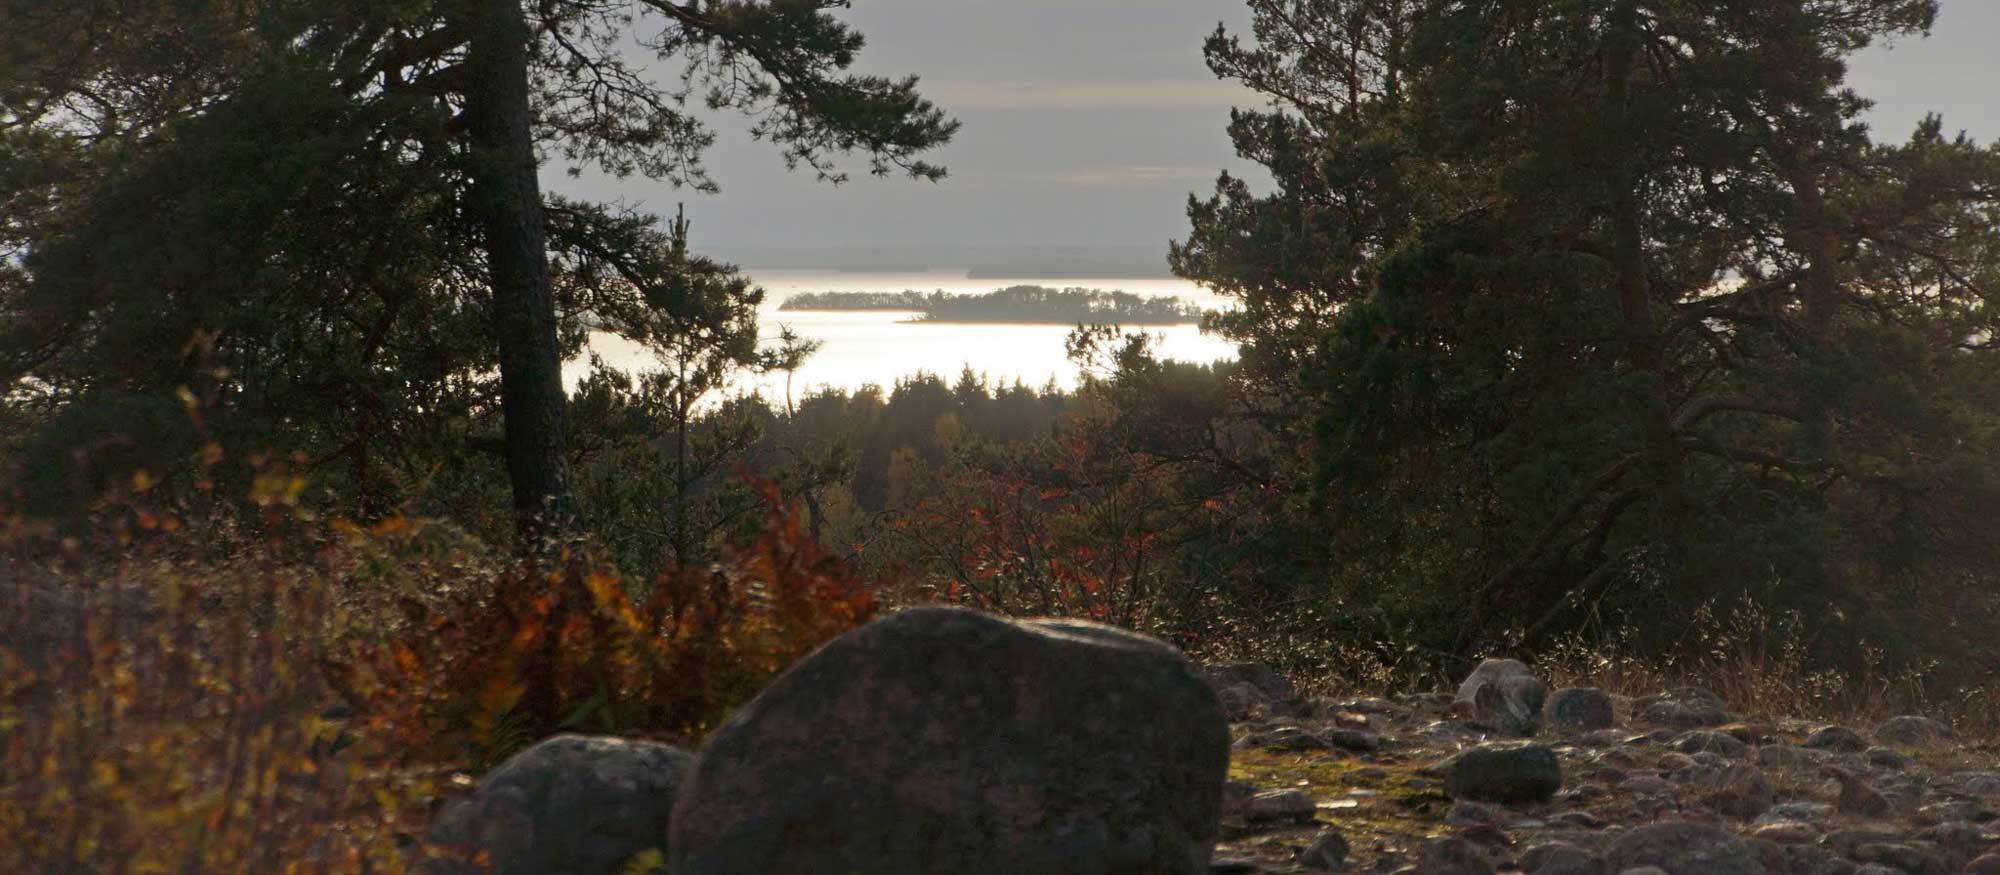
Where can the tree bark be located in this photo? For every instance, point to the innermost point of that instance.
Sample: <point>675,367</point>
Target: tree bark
<point>1644,352</point>
<point>507,200</point>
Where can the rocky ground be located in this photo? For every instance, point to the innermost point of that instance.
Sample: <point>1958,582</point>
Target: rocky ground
<point>1581,782</point>
<point>946,741</point>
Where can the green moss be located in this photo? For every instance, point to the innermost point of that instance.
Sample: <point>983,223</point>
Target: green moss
<point>1400,800</point>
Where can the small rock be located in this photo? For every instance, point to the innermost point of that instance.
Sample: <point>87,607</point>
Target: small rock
<point>1683,714</point>
<point>1242,702</point>
<point>1464,813</point>
<point>1787,832</point>
<point>1504,697</point>
<point>1284,738</point>
<point>1838,739</point>
<point>1580,709</point>
<point>1327,853</point>
<point>1784,756</point>
<point>1279,805</point>
<point>1887,758</point>
<point>1748,733</point>
<point>1744,793</point>
<point>1560,859</point>
<point>1900,858</point>
<point>1807,812</point>
<point>1912,731</point>
<point>1452,856</point>
<point>1856,797</point>
<point>1680,848</point>
<point>1711,741</point>
<point>1504,774</point>
<point>1981,784</point>
<point>1353,740</point>
<point>1988,864</point>
<point>573,803</point>
<point>1647,784</point>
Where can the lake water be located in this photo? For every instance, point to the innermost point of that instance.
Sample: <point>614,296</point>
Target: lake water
<point>860,348</point>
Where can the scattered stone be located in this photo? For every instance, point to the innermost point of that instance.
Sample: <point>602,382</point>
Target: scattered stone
<point>1327,853</point>
<point>1560,859</point>
<point>1353,740</point>
<point>1711,741</point>
<point>1242,702</point>
<point>1295,806</point>
<point>1808,812</point>
<point>1748,733</point>
<point>943,740</point>
<point>1900,858</point>
<point>1887,758</point>
<point>574,804</point>
<point>1452,856</point>
<point>1504,774</point>
<point>1787,832</point>
<point>1838,739</point>
<point>1982,784</point>
<point>1680,848</point>
<point>1463,813</point>
<point>1744,793</point>
<point>1286,738</point>
<point>1912,731</point>
<point>1647,784</point>
<point>1685,707</point>
<point>1856,797</point>
<point>1784,756</point>
<point>1580,709</point>
<point>1505,697</point>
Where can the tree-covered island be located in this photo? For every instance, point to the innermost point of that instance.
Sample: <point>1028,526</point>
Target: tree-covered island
<point>1035,305</point>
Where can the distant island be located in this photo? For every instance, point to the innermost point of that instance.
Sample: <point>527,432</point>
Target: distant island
<point>1029,305</point>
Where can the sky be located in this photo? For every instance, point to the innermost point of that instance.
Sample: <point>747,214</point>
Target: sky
<point>1089,122</point>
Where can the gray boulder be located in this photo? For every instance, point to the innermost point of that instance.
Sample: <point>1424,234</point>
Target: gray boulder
<point>1912,732</point>
<point>573,805</point>
<point>1504,696</point>
<point>1684,707</point>
<point>1838,739</point>
<point>1680,848</point>
<point>1452,856</point>
<point>947,741</point>
<point>1580,709</point>
<point>1504,774</point>
<point>1560,859</point>
<point>1327,853</point>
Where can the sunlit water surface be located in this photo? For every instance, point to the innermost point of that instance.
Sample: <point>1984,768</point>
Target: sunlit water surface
<point>861,348</point>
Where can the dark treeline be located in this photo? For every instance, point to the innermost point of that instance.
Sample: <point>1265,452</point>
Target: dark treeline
<point>1014,304</point>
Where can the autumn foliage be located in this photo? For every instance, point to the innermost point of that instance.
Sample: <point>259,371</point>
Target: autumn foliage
<point>304,704</point>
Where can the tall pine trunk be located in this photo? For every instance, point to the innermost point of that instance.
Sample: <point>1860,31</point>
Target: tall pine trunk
<point>507,200</point>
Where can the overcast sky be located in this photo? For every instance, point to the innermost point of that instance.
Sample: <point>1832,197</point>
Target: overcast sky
<point>1088,122</point>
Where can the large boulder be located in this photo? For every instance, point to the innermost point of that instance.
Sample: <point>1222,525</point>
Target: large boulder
<point>947,741</point>
<point>574,805</point>
<point>1504,696</point>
